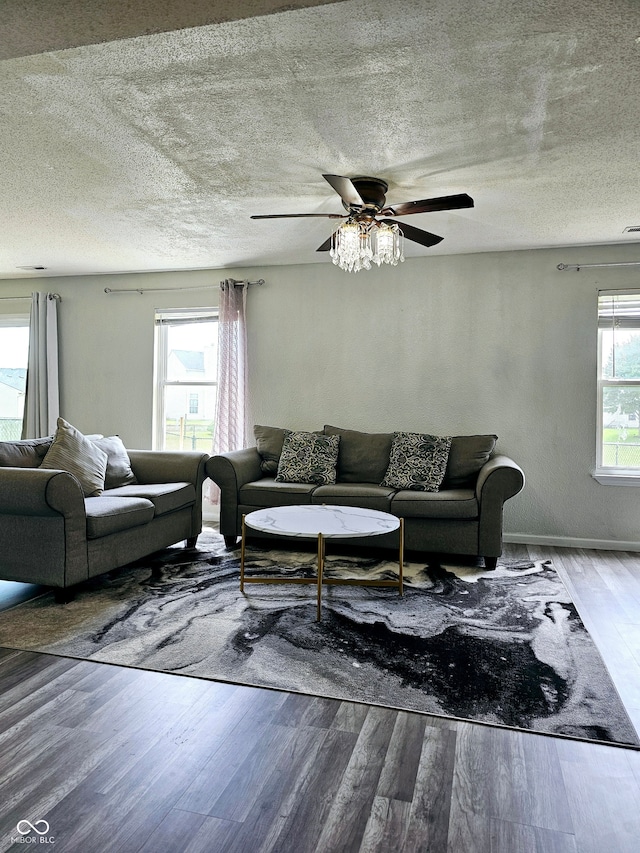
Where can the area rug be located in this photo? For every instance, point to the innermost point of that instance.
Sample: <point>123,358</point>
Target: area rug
<point>505,647</point>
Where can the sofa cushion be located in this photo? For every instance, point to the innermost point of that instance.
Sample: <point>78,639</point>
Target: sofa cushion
<point>106,514</point>
<point>364,495</point>
<point>25,453</point>
<point>165,497</point>
<point>308,457</point>
<point>451,503</point>
<point>467,456</point>
<point>269,441</point>
<point>73,452</point>
<point>267,492</point>
<point>118,471</point>
<point>417,461</point>
<point>363,457</point>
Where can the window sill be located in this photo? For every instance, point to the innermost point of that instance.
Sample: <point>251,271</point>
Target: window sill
<point>622,478</point>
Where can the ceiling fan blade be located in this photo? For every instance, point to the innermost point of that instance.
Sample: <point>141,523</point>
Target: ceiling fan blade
<point>417,235</point>
<point>428,205</point>
<point>292,215</point>
<point>325,246</point>
<point>345,189</point>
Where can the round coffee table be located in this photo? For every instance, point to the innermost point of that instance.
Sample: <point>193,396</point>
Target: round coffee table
<point>321,522</point>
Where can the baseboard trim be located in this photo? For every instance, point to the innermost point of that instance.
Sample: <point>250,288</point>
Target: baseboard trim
<point>570,542</point>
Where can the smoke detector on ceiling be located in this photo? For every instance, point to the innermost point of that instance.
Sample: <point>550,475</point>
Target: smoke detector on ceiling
<point>631,228</point>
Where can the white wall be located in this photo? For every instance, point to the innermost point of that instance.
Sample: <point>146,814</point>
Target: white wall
<point>496,342</point>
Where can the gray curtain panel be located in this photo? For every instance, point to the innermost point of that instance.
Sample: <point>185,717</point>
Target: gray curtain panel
<point>42,401</point>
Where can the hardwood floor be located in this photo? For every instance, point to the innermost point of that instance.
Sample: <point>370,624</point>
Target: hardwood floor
<point>117,759</point>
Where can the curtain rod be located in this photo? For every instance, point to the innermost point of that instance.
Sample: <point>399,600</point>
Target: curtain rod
<point>578,267</point>
<point>52,296</point>
<point>142,290</point>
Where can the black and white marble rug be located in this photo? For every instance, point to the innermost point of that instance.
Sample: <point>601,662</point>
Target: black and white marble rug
<point>505,647</point>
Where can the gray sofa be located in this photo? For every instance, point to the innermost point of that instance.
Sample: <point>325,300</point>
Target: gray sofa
<point>463,517</point>
<point>52,534</point>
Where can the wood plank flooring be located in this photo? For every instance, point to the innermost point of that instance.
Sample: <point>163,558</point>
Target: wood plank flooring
<point>116,759</point>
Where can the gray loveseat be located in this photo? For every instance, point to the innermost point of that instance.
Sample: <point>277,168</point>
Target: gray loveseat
<point>51,533</point>
<point>463,517</point>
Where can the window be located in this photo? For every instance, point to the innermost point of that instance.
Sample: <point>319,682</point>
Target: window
<point>186,365</point>
<point>618,448</point>
<point>14,354</point>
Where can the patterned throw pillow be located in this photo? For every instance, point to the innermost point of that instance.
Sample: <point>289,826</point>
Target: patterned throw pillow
<point>308,457</point>
<point>417,462</point>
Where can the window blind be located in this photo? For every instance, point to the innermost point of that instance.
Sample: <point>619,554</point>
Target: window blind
<point>182,316</point>
<point>619,309</point>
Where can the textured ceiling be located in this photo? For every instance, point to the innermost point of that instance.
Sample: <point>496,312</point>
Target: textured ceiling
<point>125,153</point>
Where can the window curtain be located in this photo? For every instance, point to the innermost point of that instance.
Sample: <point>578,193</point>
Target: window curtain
<point>42,398</point>
<point>230,430</point>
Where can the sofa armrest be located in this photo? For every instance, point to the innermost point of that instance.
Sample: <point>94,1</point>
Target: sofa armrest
<point>43,527</point>
<point>500,475</point>
<point>230,471</point>
<point>168,466</point>
<point>38,491</point>
<point>499,479</point>
<point>233,469</point>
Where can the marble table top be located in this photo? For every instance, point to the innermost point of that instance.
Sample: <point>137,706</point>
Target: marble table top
<point>332,521</point>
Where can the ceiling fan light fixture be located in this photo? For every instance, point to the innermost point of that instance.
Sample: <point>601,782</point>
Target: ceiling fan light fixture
<point>389,244</point>
<point>366,237</point>
<point>351,246</point>
<point>358,243</point>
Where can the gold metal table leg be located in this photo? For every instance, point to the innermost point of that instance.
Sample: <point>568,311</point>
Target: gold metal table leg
<point>242,557</point>
<point>320,571</point>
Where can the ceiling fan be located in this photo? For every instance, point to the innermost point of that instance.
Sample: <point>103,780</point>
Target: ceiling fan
<point>364,200</point>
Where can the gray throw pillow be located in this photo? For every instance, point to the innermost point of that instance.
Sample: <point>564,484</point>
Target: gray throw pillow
<point>467,456</point>
<point>25,453</point>
<point>118,471</point>
<point>417,461</point>
<point>269,442</point>
<point>308,457</point>
<point>363,457</point>
<point>73,452</point>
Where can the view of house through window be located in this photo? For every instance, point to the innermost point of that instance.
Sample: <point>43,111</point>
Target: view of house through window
<point>186,372</point>
<point>618,382</point>
<point>14,353</point>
